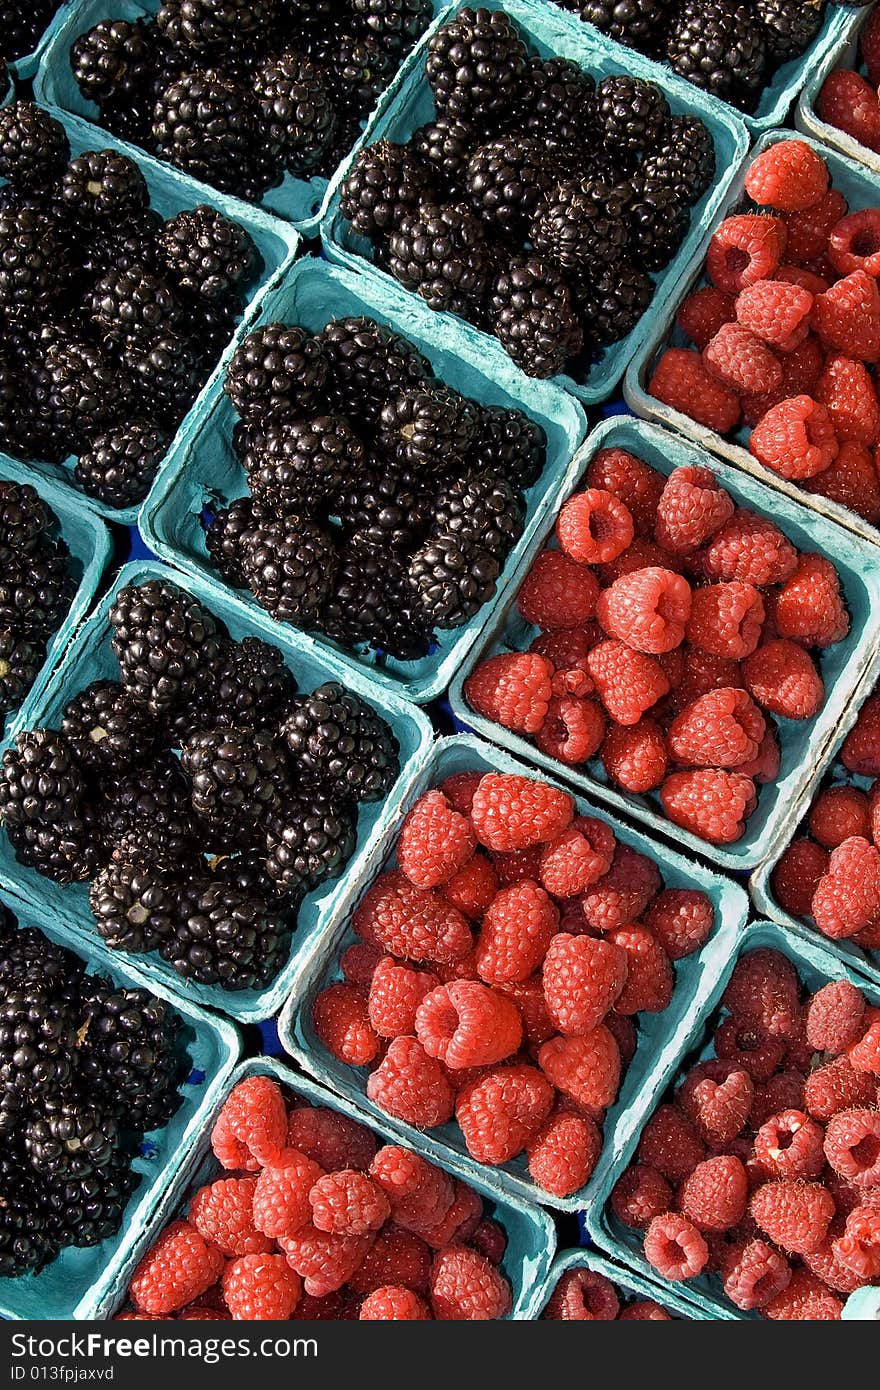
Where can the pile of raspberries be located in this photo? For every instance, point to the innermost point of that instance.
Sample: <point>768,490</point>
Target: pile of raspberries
<point>311,1219</point>
<point>831,870</point>
<point>675,627</point>
<point>498,970</point>
<point>848,100</point>
<point>764,1168</point>
<point>787,332</point>
<point>585,1295</point>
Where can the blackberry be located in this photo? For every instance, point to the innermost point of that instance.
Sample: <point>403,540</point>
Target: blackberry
<point>36,590</point>
<point>30,257</point>
<point>25,1244</point>
<point>133,306</point>
<point>581,223</point>
<point>103,186</point>
<point>612,302</point>
<point>632,115</point>
<point>167,372</point>
<point>123,246</point>
<point>506,180</point>
<point>107,728</point>
<point>789,26</point>
<point>475,64</point>
<point>659,221</point>
<point>21,25</point>
<point>361,69</point>
<point>277,371</point>
<point>112,59</point>
<point>118,467</point>
<point>245,872</point>
<point>290,566</point>
<point>340,745</point>
<point>482,509</point>
<point>84,1211</point>
<point>453,578</point>
<point>719,45</point>
<point>132,904</point>
<point>430,428</point>
<point>253,687</point>
<point>129,1055</point>
<point>228,534</point>
<point>87,393</point>
<point>510,445</point>
<point>39,780</point>
<point>212,325</point>
<point>206,123</point>
<point>366,362</point>
<point>225,936</point>
<point>235,775</point>
<point>217,26</point>
<point>388,507</point>
<point>25,519</point>
<point>384,183</point>
<point>70,1136</point>
<point>130,117</point>
<point>685,161</point>
<point>373,605</point>
<point>396,23</point>
<point>67,851</point>
<point>557,103</point>
<point>33,146</point>
<point>636,23</point>
<point>21,659</point>
<point>312,840</point>
<point>296,111</point>
<point>445,146</point>
<point>533,316</point>
<point>207,254</point>
<point>151,804</point>
<point>165,643</point>
<point>349,128</point>
<point>302,465</point>
<point>441,253</point>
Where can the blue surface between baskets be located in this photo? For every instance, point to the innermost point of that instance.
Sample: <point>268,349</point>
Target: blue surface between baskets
<point>81,1283</point>
<point>657,1033</point>
<point>630,1286</point>
<point>203,469</point>
<point>408,103</point>
<point>90,658</point>
<point>847,667</point>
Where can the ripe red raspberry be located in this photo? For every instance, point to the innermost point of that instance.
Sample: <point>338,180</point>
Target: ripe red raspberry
<point>572,730</point>
<point>801,369</point>
<point>647,609</point>
<point>717,1097</point>
<point>180,1266</point>
<point>490,1240</point>
<point>513,689</point>
<point>636,484</point>
<point>850,103</point>
<point>341,1021</point>
<point>847,317</point>
<point>348,1203</point>
<point>675,1248</point>
<point>852,1146</point>
<point>586,1068</point>
<point>332,1307</point>
<point>461,1220</point>
<point>502,1110</point>
<point>703,313</point>
<point>682,920</point>
<point>795,878</point>
<point>804,1299</point>
<point>330,1139</point>
<point>459,790</point>
<point>628,683</point>
<point>670,1144</point>
<point>781,677</point>
<point>566,649</point>
<point>640,1194</point>
<point>784,1091</point>
<point>594,527</point>
<point>836,1087</point>
<point>281,1197</point>
<point>397,1257</point>
<point>413,923</point>
<point>577,859</point>
<point>512,812</point>
<point>528,996</point>
<point>864,1055</point>
<point>861,747</point>
<point>795,439</point>
<point>649,977</point>
<point>516,932</point>
<point>393,1303</point>
<point>751,549</point>
<point>859,1247</point>
<point>764,767</point>
<point>681,381</point>
<point>512,866</point>
<point>692,507</point>
<point>778,314</point>
<point>252,1126</point>
<point>794,1214</point>
<point>809,607</point>
<point>749,1048</point>
<point>847,392</point>
<point>466,1024</point>
<point>583,978</point>
<point>411,1086</point>
<point>726,619</point>
<point>722,729</point>
<point>741,360</point>
<point>702,672</point>
<point>557,591</point>
<point>852,481</point>
<point>635,756</point>
<point>358,962</point>
<point>420,1194</point>
<point>435,841</point>
<point>582,1295</point>
<point>745,249</point>
<point>854,244</point>
<point>753,1274</point>
<point>715,1195</point>
<point>465,1287</point>
<point>645,1310</point>
<point>710,803</point>
<point>847,898</point>
<point>789,1145</point>
<point>564,1152</point>
<point>623,893</point>
<point>223,1214</point>
<point>788,177</point>
<point>641,554</point>
<point>835,1017</point>
<point>472,889</point>
<point>323,1261</point>
<point>261,1287</point>
<point>396,991</point>
<point>799,274</point>
<point>837,814</point>
<point>764,988</point>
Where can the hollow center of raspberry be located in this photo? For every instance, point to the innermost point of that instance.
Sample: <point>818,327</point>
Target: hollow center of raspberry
<point>867,1151</point>
<point>784,1139</point>
<point>813,431</point>
<point>601,526</point>
<point>866,242</point>
<point>737,260</point>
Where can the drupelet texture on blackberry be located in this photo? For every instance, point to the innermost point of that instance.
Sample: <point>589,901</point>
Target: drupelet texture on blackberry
<point>206,123</point>
<point>122,246</point>
<point>237,776</point>
<point>36,589</point>
<point>506,180</point>
<point>685,161</point>
<point>166,372</point>
<point>118,467</point>
<point>39,780</point>
<point>388,507</point>
<point>33,146</point>
<point>30,255</point>
<point>150,804</point>
<point>133,306</point>
<point>296,110</point>
<point>86,391</point>
<point>165,642</point>
<point>555,107</point>
<point>113,59</point>
<point>632,115</point>
<point>719,45</point>
<point>311,841</point>
<point>440,252</point>
<point>659,220</point>
<point>611,303</point>
<point>483,509</point>
<point>372,604</point>
<point>789,26</point>
<point>384,182</point>
<point>582,223</point>
<point>429,428</point>
<point>25,519</point>
<point>207,254</point>
<point>475,64</point>
<point>83,1211</point>
<point>302,465</point>
<point>278,370</point>
<point>215,26</point>
<point>366,363</point>
<point>103,185</point>
<point>25,1244</point>
<point>227,536</point>
<point>445,145</point>
<point>533,316</point>
<point>340,745</point>
<point>20,661</point>
<point>225,936</point>
<point>397,23</point>
<point>252,687</point>
<point>107,728</point>
<point>132,904</point>
<point>66,851</point>
<point>453,578</point>
<point>361,68</point>
<point>245,871</point>
<point>289,565</point>
<point>510,444</point>
<point>637,23</point>
<point>21,24</point>
<point>129,1054</point>
<point>68,1136</point>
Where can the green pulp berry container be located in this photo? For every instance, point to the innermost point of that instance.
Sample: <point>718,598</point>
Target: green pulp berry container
<point>90,658</point>
<point>656,1051</point>
<point>81,1283</point>
<point>848,668</point>
<point>531,1238</point>
<point>203,471</point>
<point>549,32</point>
<point>630,1287</point>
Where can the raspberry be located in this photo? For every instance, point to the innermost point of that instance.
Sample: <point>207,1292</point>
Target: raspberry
<point>261,1287</point>
<point>854,244</point>
<point>411,1086</point>
<point>703,313</point>
<point>467,1025</point>
<point>572,730</point>
<point>397,1257</point>
<point>808,231</point>
<point>801,369</point>
<point>635,483</point>
<point>835,1017</point>
<point>836,1087</point>
<point>502,1110</point>
<point>647,609</point>
<point>795,1215</point>
<point>788,177</point>
<point>710,803</point>
<point>511,812</point>
<point>722,729</point>
<point>323,1261</point>
<point>435,841</point>
<point>861,747</point>
<point>624,1033</point>
<point>557,591</point>
<point>864,1055</point>
<point>639,1195</point>
<point>566,649</point>
<point>847,316</point>
<point>781,677</point>
<point>516,932</point>
<point>675,1248</point>
<point>681,382</point>
<point>741,360</point>
<point>348,1203</point>
<point>513,689</point>
<point>649,976</point>
<point>330,1139</point>
<point>809,606</point>
<point>490,1240</point>
<point>420,1194</point>
<point>252,1125</point>
<point>682,920</point>
<point>223,1214</point>
<point>517,864</point>
<point>851,481</point>
<point>411,922</point>
<point>586,1068</point>
<point>641,554</point>
<point>850,103</point>
<point>392,1303</point>
<point>751,549</point>
<point>702,672</point>
<point>583,978</point>
<point>628,683</point>
<point>847,898</point>
<point>179,1267</point>
<point>645,1310</point>
<point>838,813</point>
<point>465,1287</point>
<point>472,889</point>
<point>749,1048</point>
<point>745,249</point>
<point>341,1021</point>
<point>332,1307</point>
<point>778,313</point>
<point>764,767</point>
<point>784,1091</point>
<point>714,1196</point>
<point>623,893</point>
<point>577,859</point>
<point>826,1264</point>
<point>753,1274</point>
<point>581,1295</point>
<point>804,1299</point>
<point>852,1146</point>
<point>459,1222</point>
<point>281,1197</point>
<point>396,991</point>
<point>358,962</point>
<point>692,508</point>
<point>795,438</point>
<point>790,1146</point>
<point>459,790</point>
<point>563,1153</point>
<point>528,996</point>
<point>847,392</point>
<point>594,527</point>
<point>859,1247</point>
<point>717,1097</point>
<point>726,619</point>
<point>670,1144</point>
<point>635,756</point>
<point>764,988</point>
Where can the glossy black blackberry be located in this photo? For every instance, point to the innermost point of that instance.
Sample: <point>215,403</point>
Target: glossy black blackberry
<point>719,45</point>
<point>253,687</point>
<point>384,182</point>
<point>361,68</point>
<point>296,110</point>
<point>367,362</point>
<point>453,578</point>
<point>387,507</point>
<point>132,904</point>
<point>582,223</point>
<point>429,428</point>
<point>103,185</point>
<point>475,64</point>
<point>148,809</point>
<point>223,935</point>
<point>206,123</point>
<point>25,1244</point>
<point>440,252</point>
<point>445,146</point>
<point>396,23</point>
<point>166,373</point>
<point>25,519</point>
<point>69,1136</point>
<point>303,465</point>
<point>20,661</point>
<point>789,26</point>
<point>632,115</point>
<point>212,324</point>
<point>533,316</point>
<point>39,780</point>
<point>509,444</point>
<point>372,604</point>
<point>278,371</point>
<point>483,509</point>
<point>130,117</point>
<point>129,1053</point>
<point>118,467</point>
<point>133,306</point>
<point>165,642</point>
<point>21,24</point>
<point>612,302</point>
<point>216,26</point>
<point>107,728</point>
<point>228,535</point>
<point>637,23</point>
<point>556,109</point>
<point>659,221</point>
<point>506,180</point>
<point>245,871</point>
<point>85,1210</point>
<point>312,840</point>
<point>123,246</point>
<point>36,590</point>
<point>349,128</point>
<point>289,565</point>
<point>114,59</point>
<point>206,253</point>
<point>87,392</point>
<point>685,161</point>
<point>67,851</point>
<point>340,745</point>
<point>235,774</point>
<point>33,146</point>
<point>30,257</point>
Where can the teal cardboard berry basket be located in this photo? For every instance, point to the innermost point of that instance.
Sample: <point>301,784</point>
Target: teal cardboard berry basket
<point>531,1238</point>
<point>296,200</point>
<point>656,1050</point>
<point>80,1283</point>
<point>843,53</point>
<point>90,658</point>
<point>629,1285</point>
<point>408,103</point>
<point>88,541</point>
<point>203,471</point>
<point>170,193</point>
<point>860,189</point>
<point>848,668</point>
<point>816,966</point>
<point>24,66</point>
